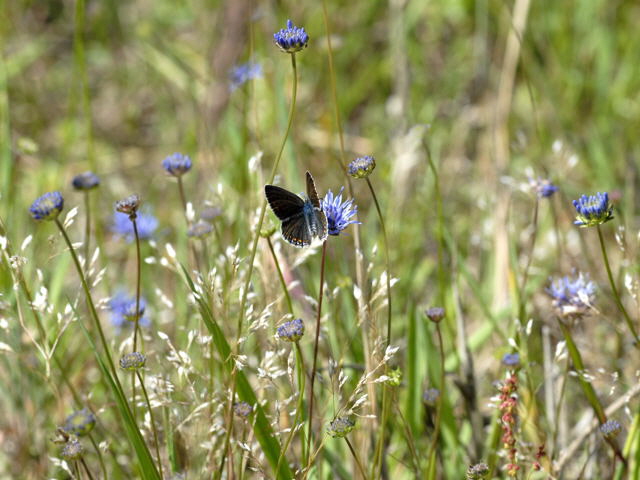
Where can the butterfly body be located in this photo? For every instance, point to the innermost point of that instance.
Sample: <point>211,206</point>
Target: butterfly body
<point>302,219</point>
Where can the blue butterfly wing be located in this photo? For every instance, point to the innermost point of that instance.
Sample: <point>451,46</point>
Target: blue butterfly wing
<point>295,230</point>
<point>283,203</point>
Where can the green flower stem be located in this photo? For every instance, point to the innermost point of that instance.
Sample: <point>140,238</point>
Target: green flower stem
<point>252,257</point>
<point>587,388</point>
<point>616,296</point>
<point>376,466</point>
<point>183,200</point>
<point>280,276</point>
<point>138,277</point>
<point>386,257</point>
<point>86,469</point>
<point>315,344</point>
<point>87,230</point>
<point>299,408</point>
<point>431,459</point>
<point>153,422</point>
<point>92,308</point>
<point>103,467</point>
<point>355,456</point>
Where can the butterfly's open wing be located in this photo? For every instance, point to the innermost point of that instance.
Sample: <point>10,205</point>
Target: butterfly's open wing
<point>283,203</point>
<point>296,231</point>
<point>320,229</point>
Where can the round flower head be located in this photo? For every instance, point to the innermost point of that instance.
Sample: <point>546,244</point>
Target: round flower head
<point>133,361</point>
<point>128,205</point>
<point>72,450</point>
<point>210,213</point>
<point>291,39</point>
<point>146,224</point>
<point>123,309</point>
<point>177,164</point>
<point>593,210</point>
<point>80,423</point>
<point>292,330</point>
<point>511,360</point>
<point>242,409</point>
<point>340,427</point>
<point>85,181</point>
<point>362,167</point>
<point>543,187</point>
<point>478,471</point>
<point>435,314</point>
<point>572,296</point>
<point>199,229</point>
<point>610,428</point>
<point>241,74</point>
<point>338,213</point>
<point>431,396</point>
<point>48,206</point>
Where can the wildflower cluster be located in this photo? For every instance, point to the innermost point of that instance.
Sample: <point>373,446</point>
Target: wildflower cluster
<point>177,164</point>
<point>291,39</point>
<point>572,296</point>
<point>339,213</point>
<point>508,415</point>
<point>292,330</point>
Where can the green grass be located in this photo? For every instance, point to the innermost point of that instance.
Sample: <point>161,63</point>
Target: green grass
<point>116,87</point>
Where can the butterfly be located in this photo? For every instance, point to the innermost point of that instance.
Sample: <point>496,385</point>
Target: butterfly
<point>302,219</point>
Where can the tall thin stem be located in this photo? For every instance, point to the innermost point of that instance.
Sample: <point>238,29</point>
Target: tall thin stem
<point>87,230</point>
<point>153,422</point>
<point>138,276</point>
<point>285,289</point>
<point>315,344</point>
<point>355,456</point>
<point>87,292</point>
<point>436,430</point>
<point>616,295</point>
<point>252,257</point>
<point>386,258</point>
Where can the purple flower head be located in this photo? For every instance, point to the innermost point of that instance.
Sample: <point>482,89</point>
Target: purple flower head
<point>543,187</point>
<point>593,210</point>
<point>241,74</point>
<point>123,310</point>
<point>177,164</point>
<point>338,213</point>
<point>48,206</point>
<point>291,39</point>
<point>572,295</point>
<point>123,226</point>
<point>511,360</point>
<point>85,181</point>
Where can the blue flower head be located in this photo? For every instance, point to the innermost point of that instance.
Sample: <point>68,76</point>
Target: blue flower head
<point>85,181</point>
<point>362,167</point>
<point>80,423</point>
<point>48,206</point>
<point>511,360</point>
<point>240,74</point>
<point>338,213</point>
<point>123,226</point>
<point>132,361</point>
<point>572,295</point>
<point>177,164</point>
<point>611,428</point>
<point>291,39</point>
<point>291,331</point>
<point>593,210</point>
<point>123,311</point>
<point>543,187</point>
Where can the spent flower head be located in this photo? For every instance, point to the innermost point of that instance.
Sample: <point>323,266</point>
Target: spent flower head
<point>146,224</point>
<point>610,429</point>
<point>572,296</point>
<point>47,207</point>
<point>177,164</point>
<point>85,181</point>
<point>435,314</point>
<point>593,210</point>
<point>80,423</point>
<point>240,74</point>
<point>338,213</point>
<point>242,409</point>
<point>291,39</point>
<point>128,205</point>
<point>132,361</point>
<point>291,331</point>
<point>73,449</point>
<point>340,427</point>
<point>200,229</point>
<point>362,167</point>
<point>479,471</point>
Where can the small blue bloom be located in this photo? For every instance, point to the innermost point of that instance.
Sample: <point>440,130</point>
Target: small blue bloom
<point>430,396</point>
<point>123,226</point>
<point>291,331</point>
<point>85,181</point>
<point>123,310</point>
<point>572,296</point>
<point>593,210</point>
<point>543,187</point>
<point>132,361</point>
<point>511,360</point>
<point>48,206</point>
<point>240,74</point>
<point>177,164</point>
<point>611,428</point>
<point>338,212</point>
<point>80,423</point>
<point>291,39</point>
<point>362,167</point>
